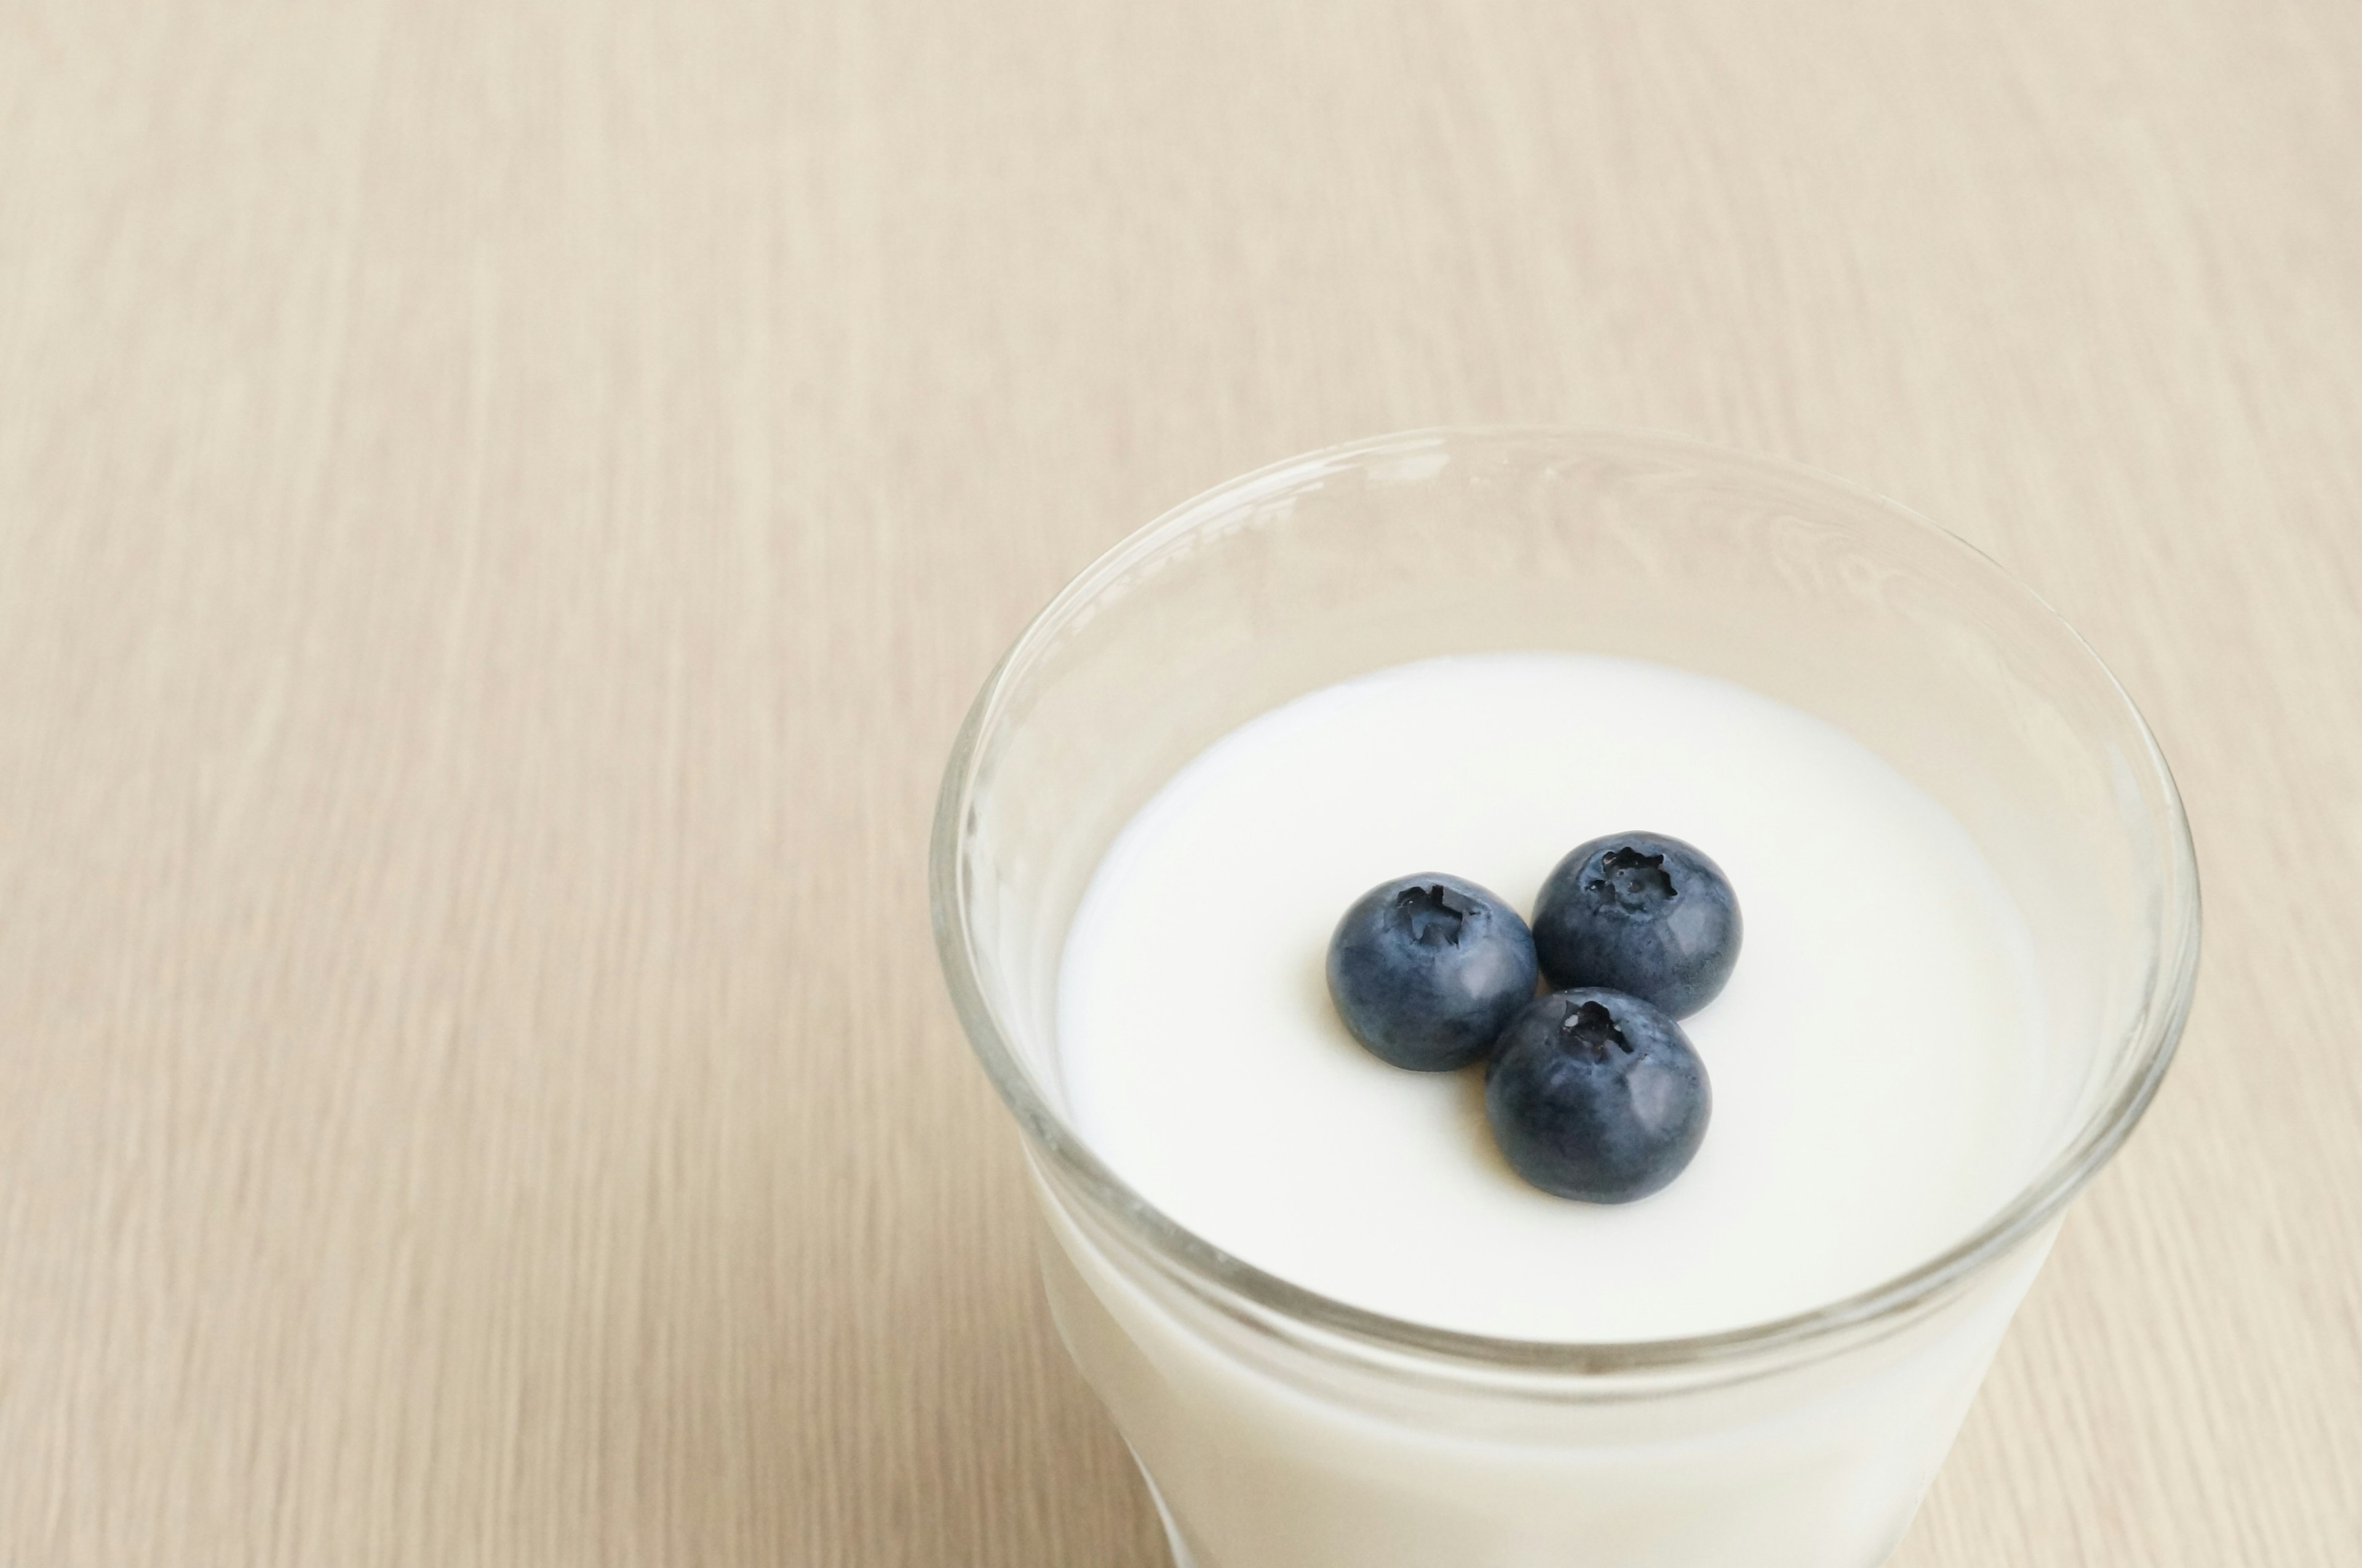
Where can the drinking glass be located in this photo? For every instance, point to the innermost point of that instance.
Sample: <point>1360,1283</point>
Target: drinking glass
<point>1280,1429</point>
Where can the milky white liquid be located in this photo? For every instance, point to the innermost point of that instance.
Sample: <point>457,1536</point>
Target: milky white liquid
<point>1881,1086</point>
<point>1877,1057</point>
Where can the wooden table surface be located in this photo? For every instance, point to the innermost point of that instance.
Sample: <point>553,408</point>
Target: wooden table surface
<point>503,506</point>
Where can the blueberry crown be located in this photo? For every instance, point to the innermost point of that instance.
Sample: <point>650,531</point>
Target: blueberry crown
<point>1633,878</point>
<point>1433,914</point>
<point>1590,1028</point>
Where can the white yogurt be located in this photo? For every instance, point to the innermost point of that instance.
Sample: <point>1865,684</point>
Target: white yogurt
<point>1876,1058</point>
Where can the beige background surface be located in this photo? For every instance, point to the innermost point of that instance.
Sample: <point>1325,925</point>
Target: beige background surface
<point>501,507</point>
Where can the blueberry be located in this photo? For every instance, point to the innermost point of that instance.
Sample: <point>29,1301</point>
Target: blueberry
<point>1640,913</point>
<point>1427,970</point>
<point>1596,1095</point>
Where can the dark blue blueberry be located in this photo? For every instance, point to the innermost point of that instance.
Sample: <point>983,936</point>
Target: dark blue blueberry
<point>1640,913</point>
<point>1596,1095</point>
<point>1427,970</point>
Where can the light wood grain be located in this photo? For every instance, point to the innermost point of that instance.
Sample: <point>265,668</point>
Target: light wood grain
<point>502,506</point>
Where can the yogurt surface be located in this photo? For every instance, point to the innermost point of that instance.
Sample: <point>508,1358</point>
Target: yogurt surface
<point>1877,1057</point>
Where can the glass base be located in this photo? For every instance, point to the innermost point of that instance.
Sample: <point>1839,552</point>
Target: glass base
<point>1179,1548</point>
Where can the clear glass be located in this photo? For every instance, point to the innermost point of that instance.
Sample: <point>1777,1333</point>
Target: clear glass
<point>1283,1429</point>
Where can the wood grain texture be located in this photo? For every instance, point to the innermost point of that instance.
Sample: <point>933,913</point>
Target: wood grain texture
<point>503,505</point>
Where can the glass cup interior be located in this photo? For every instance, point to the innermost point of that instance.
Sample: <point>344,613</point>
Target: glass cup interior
<point>1799,586</point>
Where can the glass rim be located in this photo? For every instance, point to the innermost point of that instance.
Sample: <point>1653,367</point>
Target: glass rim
<point>2141,1048</point>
